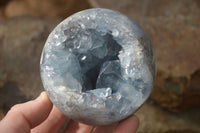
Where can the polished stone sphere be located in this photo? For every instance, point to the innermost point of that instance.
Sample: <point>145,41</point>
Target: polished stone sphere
<point>98,66</point>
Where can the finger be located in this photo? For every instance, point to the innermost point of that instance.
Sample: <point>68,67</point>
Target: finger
<point>129,125</point>
<point>75,127</point>
<point>22,117</point>
<point>52,124</point>
<point>105,129</point>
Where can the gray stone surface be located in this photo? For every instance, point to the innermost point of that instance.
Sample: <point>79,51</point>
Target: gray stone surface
<point>155,119</point>
<point>98,66</point>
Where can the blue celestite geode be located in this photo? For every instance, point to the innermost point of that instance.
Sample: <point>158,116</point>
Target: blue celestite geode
<point>98,66</point>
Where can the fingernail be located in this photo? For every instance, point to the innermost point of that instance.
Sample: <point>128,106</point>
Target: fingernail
<point>41,96</point>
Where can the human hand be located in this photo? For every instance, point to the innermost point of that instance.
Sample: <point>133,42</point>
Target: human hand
<point>40,116</point>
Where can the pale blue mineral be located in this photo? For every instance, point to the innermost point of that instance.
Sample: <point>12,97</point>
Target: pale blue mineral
<point>98,66</point>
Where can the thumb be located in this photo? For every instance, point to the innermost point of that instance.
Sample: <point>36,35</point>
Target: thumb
<point>22,117</point>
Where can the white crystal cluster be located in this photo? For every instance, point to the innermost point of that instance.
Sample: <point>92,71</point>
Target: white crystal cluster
<point>98,66</point>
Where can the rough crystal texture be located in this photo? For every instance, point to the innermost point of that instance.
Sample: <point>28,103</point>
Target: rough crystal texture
<point>98,66</point>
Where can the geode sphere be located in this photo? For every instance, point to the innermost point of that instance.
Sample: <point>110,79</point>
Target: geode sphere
<point>98,66</point>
